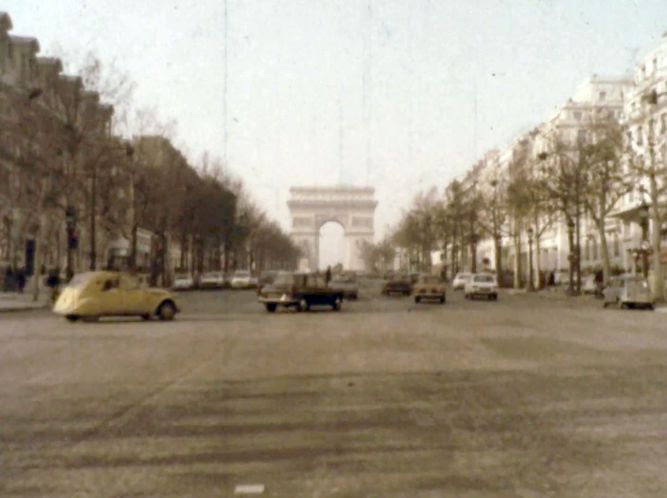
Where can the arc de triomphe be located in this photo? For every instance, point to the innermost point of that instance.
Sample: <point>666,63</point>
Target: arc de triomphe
<point>352,207</point>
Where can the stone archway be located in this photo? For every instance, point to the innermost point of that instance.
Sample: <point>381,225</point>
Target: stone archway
<point>351,207</point>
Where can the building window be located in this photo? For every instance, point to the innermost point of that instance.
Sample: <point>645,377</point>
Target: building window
<point>640,136</point>
<point>581,135</point>
<point>663,122</point>
<point>603,96</point>
<point>617,249</point>
<point>577,115</point>
<point>595,249</point>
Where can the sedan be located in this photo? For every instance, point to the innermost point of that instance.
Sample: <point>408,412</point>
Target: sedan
<point>212,280</point>
<point>429,287</point>
<point>481,284</point>
<point>400,284</point>
<point>347,284</point>
<point>183,281</point>
<point>243,280</point>
<point>460,280</point>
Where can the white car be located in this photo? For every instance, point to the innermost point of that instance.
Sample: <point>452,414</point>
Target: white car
<point>243,280</point>
<point>481,284</point>
<point>212,280</point>
<point>460,280</point>
<point>183,281</point>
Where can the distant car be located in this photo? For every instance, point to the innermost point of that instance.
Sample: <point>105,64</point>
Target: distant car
<point>299,291</point>
<point>589,285</point>
<point>562,278</point>
<point>92,295</point>
<point>265,278</point>
<point>347,284</point>
<point>212,280</point>
<point>628,291</point>
<point>183,281</point>
<point>399,284</point>
<point>482,285</point>
<point>429,287</point>
<point>460,280</point>
<point>243,280</point>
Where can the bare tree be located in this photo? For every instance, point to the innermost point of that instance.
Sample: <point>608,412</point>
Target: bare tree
<point>605,180</point>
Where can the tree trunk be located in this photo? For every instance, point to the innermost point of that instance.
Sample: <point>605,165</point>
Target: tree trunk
<point>537,279</point>
<point>498,259</point>
<point>517,261</point>
<point>604,249</point>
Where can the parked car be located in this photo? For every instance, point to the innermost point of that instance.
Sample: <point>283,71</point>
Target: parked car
<point>242,279</point>
<point>628,291</point>
<point>212,280</point>
<point>347,284</point>
<point>92,295</point>
<point>460,280</point>
<point>399,284</point>
<point>299,291</point>
<point>183,281</point>
<point>562,278</point>
<point>589,285</point>
<point>481,284</point>
<point>429,287</point>
<point>265,278</point>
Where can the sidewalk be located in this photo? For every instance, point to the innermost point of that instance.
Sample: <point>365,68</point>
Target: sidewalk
<point>12,301</point>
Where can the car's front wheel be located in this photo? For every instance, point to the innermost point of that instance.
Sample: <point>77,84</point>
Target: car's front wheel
<point>271,307</point>
<point>417,299</point>
<point>72,318</point>
<point>443,299</point>
<point>167,311</point>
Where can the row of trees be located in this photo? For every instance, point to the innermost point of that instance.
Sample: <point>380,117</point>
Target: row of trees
<point>68,164</point>
<point>550,178</point>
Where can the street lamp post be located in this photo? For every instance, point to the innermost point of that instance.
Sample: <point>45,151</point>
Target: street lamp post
<point>530,286</point>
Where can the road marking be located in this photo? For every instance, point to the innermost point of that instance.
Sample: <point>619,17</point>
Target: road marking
<point>249,489</point>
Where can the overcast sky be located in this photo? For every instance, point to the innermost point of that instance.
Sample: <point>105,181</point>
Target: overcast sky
<point>397,94</point>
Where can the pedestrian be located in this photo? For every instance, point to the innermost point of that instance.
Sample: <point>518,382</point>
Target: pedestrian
<point>20,280</point>
<point>53,283</point>
<point>327,275</point>
<point>8,282</point>
<point>599,282</point>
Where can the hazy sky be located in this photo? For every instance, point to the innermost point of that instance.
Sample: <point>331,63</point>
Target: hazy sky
<point>399,94</point>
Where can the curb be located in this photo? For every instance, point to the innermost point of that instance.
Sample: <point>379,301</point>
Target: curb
<point>24,308</point>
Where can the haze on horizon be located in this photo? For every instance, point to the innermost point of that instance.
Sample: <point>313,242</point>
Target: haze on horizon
<point>399,95</point>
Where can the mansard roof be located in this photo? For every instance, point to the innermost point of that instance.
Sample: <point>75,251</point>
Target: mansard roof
<point>25,40</point>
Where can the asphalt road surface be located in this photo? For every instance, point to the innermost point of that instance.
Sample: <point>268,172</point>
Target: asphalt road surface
<point>525,397</point>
